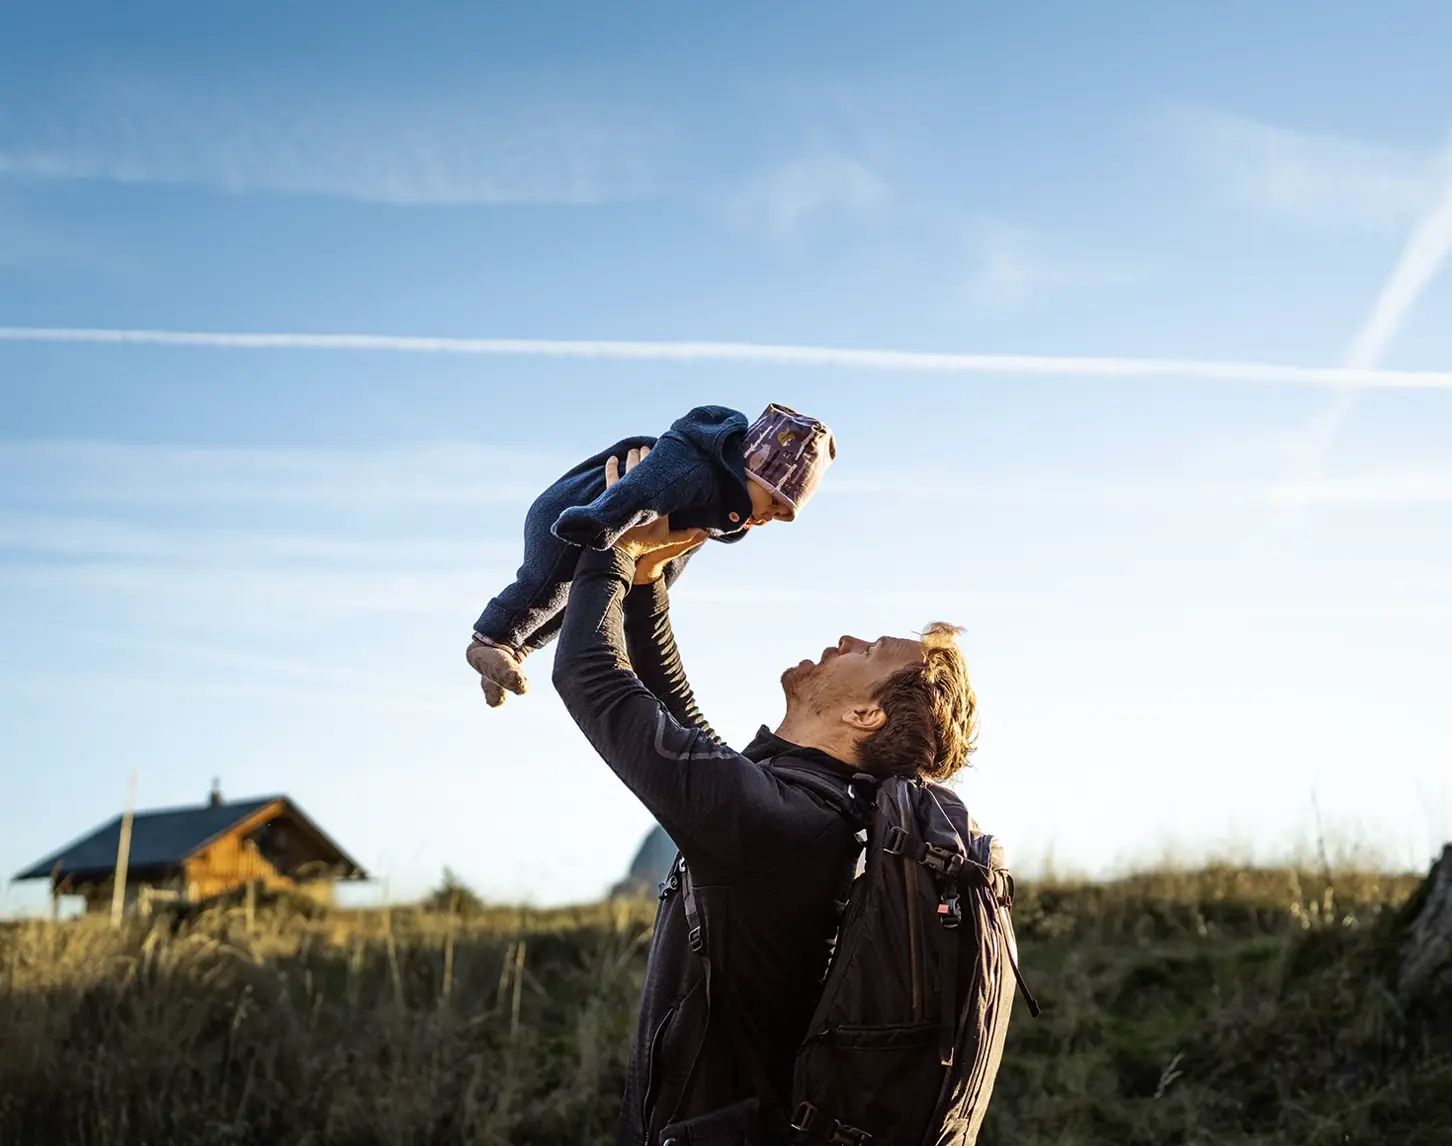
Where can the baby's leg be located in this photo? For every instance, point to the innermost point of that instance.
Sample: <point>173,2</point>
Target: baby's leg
<point>538,592</point>
<point>511,622</point>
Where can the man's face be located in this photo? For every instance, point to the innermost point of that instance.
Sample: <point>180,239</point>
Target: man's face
<point>848,674</point>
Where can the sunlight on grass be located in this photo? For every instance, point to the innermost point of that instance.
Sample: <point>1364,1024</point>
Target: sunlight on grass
<point>1167,994</point>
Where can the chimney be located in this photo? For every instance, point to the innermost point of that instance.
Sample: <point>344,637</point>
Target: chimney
<point>215,800</point>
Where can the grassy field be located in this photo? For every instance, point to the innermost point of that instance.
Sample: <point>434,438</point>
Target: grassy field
<point>1219,1006</point>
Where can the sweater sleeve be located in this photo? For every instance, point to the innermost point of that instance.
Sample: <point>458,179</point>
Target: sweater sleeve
<point>675,476</point>
<point>651,646</point>
<point>724,811</point>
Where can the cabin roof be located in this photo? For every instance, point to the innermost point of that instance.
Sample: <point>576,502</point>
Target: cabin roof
<point>165,837</point>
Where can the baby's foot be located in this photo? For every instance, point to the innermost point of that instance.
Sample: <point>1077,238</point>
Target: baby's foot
<point>498,670</point>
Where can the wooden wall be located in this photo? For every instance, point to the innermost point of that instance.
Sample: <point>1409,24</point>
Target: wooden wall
<point>280,844</point>
<point>229,862</point>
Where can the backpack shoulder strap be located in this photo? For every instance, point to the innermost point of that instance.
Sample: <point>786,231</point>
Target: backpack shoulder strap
<point>769,1105</point>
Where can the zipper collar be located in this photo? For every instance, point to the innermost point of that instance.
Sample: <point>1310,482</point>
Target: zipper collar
<point>767,744</point>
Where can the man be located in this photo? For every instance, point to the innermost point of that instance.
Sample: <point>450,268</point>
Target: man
<point>770,860</point>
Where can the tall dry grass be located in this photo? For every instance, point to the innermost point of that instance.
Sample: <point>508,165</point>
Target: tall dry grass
<point>1218,1006</point>
<point>389,1027</point>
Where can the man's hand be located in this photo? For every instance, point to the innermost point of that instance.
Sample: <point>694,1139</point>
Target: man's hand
<point>656,545</point>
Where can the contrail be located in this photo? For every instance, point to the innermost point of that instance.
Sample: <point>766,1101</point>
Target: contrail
<point>1426,250</point>
<point>1425,253</point>
<point>759,353</point>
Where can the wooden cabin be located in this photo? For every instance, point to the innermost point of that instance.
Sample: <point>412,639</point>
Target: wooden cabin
<point>197,853</point>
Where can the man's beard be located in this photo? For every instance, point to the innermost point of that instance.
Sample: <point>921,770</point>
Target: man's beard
<point>805,687</point>
<point>795,682</point>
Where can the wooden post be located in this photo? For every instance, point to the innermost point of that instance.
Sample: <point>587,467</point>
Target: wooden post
<point>392,948</point>
<point>518,990</point>
<point>504,969</point>
<point>449,951</point>
<point>123,854</point>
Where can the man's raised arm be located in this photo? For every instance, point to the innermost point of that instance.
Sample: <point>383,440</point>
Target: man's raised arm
<point>707,797</point>
<point>650,644</point>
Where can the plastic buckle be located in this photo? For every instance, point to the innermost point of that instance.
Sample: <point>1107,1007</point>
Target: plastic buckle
<point>844,1135</point>
<point>668,886</point>
<point>697,940</point>
<point>950,912</point>
<point>896,837</point>
<point>862,790</point>
<point>805,1115</point>
<point>942,860</point>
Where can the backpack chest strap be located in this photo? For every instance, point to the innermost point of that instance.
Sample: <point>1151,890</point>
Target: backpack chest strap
<point>899,841</point>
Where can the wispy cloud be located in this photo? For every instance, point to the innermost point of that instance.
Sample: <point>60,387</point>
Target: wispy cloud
<point>1005,273</point>
<point>780,198</point>
<point>1313,178</point>
<point>1011,266</point>
<point>431,475</point>
<point>310,143</point>
<point>267,595</point>
<point>1163,370</point>
<point>1406,486</point>
<point>65,537</point>
<point>96,499</point>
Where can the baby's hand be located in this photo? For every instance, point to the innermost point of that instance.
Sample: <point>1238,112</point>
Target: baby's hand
<point>498,670</point>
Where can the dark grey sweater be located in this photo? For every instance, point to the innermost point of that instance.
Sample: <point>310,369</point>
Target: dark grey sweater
<point>770,860</point>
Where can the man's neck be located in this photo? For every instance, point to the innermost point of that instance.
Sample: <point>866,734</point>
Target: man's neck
<point>808,732</point>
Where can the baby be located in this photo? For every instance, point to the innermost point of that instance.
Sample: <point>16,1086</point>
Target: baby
<point>709,471</point>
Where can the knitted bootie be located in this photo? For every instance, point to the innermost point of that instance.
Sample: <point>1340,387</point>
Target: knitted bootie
<point>499,671</point>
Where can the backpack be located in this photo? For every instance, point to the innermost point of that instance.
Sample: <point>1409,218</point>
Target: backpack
<point>906,1038</point>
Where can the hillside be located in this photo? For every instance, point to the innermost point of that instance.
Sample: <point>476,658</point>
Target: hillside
<point>1208,1007</point>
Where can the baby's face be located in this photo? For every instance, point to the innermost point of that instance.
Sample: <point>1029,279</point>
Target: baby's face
<point>765,507</point>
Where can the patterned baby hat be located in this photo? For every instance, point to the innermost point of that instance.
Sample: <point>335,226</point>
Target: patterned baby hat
<point>787,453</point>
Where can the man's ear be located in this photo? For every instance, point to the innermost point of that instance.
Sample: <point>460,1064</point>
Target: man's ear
<point>865,718</point>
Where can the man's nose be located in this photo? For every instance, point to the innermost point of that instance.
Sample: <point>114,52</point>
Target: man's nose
<point>847,644</point>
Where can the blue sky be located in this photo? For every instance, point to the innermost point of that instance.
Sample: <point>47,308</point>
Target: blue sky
<point>1192,602</point>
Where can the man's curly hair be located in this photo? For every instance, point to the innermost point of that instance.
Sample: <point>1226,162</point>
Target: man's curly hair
<point>932,713</point>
